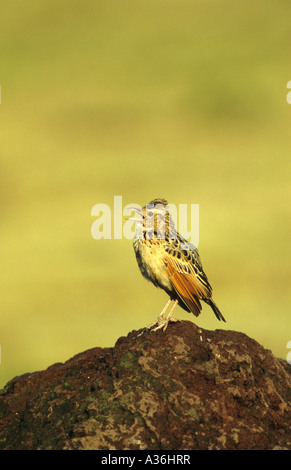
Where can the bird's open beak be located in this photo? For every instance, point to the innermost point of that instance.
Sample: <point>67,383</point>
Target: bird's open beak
<point>137,219</point>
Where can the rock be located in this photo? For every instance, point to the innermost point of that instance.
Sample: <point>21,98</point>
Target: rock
<point>182,389</point>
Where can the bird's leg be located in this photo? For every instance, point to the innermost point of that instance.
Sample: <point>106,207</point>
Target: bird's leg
<point>160,317</point>
<point>168,318</point>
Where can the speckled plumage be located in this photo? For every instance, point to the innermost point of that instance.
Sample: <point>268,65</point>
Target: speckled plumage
<point>170,262</point>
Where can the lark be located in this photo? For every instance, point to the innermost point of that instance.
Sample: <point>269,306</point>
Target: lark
<point>170,262</point>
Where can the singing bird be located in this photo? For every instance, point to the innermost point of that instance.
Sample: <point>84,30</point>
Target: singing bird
<point>170,262</point>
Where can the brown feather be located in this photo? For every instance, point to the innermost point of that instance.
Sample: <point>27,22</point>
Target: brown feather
<point>187,285</point>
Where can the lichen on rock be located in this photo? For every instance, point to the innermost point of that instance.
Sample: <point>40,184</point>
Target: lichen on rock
<point>182,389</point>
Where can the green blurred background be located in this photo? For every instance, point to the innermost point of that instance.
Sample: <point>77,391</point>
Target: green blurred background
<point>179,99</point>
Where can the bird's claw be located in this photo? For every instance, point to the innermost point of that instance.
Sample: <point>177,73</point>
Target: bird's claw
<point>162,325</point>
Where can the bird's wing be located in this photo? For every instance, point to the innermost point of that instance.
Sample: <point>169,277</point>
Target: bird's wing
<point>187,277</point>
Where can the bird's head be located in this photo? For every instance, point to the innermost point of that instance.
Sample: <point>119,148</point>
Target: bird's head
<point>154,221</point>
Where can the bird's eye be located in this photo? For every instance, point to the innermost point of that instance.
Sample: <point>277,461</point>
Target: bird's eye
<point>150,213</point>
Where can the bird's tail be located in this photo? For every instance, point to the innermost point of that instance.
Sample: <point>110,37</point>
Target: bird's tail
<point>215,309</point>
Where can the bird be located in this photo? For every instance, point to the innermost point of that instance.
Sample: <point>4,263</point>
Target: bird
<point>170,262</point>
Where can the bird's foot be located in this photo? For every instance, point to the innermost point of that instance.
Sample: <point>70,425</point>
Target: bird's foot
<point>149,327</point>
<point>160,320</point>
<point>164,324</point>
